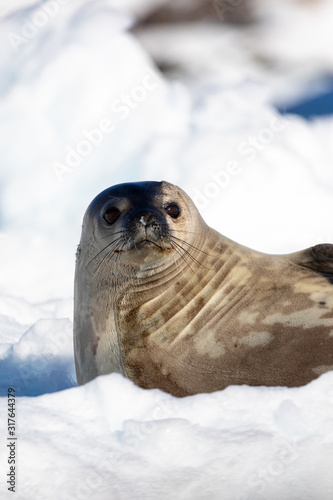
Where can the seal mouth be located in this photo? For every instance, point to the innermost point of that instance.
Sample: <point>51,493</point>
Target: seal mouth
<point>143,244</point>
<point>146,243</point>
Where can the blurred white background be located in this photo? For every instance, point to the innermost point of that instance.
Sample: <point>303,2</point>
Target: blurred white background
<point>233,101</point>
<point>218,74</point>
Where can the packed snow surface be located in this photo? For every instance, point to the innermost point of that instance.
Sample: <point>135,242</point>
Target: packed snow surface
<point>83,107</point>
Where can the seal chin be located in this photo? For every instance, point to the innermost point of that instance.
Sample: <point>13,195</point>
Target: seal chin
<point>144,253</point>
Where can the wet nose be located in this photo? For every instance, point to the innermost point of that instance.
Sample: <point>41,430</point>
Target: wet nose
<point>145,217</point>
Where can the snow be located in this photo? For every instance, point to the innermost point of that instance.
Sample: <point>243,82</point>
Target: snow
<point>84,107</point>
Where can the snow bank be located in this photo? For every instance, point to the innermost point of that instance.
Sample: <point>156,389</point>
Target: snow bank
<point>84,107</point>
<point>111,440</point>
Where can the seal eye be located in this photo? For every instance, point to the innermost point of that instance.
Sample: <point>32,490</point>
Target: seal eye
<point>173,210</point>
<point>111,215</point>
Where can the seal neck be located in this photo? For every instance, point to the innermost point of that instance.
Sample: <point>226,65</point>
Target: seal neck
<point>180,270</point>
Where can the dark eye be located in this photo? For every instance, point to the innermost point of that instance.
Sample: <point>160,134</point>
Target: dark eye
<point>111,215</point>
<point>173,210</point>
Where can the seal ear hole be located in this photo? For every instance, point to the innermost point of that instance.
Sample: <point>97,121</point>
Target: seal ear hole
<point>111,215</point>
<point>173,210</point>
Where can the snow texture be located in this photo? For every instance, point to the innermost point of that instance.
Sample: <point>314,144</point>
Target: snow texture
<point>83,107</point>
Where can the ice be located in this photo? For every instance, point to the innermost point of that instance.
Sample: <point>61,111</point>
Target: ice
<point>113,440</point>
<point>84,106</point>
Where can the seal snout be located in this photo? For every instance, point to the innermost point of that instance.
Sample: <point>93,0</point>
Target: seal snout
<point>145,217</point>
<point>146,225</point>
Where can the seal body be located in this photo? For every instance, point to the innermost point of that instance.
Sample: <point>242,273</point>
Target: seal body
<point>172,304</point>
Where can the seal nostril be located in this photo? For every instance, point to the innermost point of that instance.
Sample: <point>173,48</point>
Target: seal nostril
<point>145,217</point>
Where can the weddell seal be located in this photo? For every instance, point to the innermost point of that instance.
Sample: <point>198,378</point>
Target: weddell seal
<point>170,303</point>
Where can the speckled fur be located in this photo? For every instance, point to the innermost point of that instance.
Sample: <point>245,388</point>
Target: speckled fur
<point>225,314</point>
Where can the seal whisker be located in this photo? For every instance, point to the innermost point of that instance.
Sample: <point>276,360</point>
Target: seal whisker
<point>109,255</point>
<point>114,242</point>
<point>185,232</point>
<point>116,232</point>
<point>154,313</point>
<point>187,252</point>
<point>177,250</point>
<point>191,246</point>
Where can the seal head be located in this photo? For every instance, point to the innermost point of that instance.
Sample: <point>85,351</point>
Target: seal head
<point>131,233</point>
<point>136,219</point>
<point>172,304</point>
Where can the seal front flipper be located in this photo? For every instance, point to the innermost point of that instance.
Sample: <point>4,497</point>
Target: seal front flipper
<point>320,259</point>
